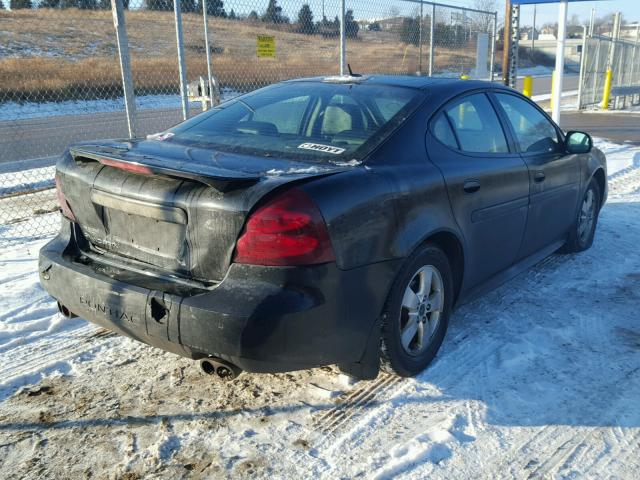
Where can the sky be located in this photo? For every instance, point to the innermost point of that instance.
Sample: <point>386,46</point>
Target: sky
<point>546,13</point>
<point>380,8</point>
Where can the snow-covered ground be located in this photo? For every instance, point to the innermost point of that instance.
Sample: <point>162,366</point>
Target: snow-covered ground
<point>538,379</point>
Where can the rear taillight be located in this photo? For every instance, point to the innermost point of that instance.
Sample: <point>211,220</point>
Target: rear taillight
<point>287,230</point>
<point>62,200</point>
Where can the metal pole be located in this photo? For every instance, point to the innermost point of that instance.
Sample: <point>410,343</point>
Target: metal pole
<point>420,41</point>
<point>583,66</point>
<point>562,29</point>
<point>513,53</point>
<point>492,60</point>
<point>182,69</point>
<point>612,51</point>
<point>343,40</point>
<point>125,65</point>
<point>431,33</point>
<point>533,32</point>
<point>206,46</point>
<point>592,21</point>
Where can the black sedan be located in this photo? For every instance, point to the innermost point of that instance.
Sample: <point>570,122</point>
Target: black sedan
<point>319,221</point>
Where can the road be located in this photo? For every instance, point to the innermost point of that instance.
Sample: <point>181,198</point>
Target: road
<point>48,136</point>
<point>542,85</point>
<point>615,126</point>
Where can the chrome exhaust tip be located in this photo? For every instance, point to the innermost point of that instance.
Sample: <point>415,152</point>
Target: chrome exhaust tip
<point>216,366</point>
<point>65,311</point>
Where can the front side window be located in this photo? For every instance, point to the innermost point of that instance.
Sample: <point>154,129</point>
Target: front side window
<point>303,120</point>
<point>534,132</point>
<point>476,125</point>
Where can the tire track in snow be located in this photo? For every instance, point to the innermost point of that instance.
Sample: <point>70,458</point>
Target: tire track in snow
<point>376,400</point>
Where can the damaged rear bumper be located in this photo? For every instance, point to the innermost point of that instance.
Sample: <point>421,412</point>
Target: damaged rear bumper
<point>262,319</point>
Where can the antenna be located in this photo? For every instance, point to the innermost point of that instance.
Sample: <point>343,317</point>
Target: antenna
<point>351,74</point>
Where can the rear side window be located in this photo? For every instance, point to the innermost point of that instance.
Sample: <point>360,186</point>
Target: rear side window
<point>534,131</point>
<point>442,131</point>
<point>476,125</point>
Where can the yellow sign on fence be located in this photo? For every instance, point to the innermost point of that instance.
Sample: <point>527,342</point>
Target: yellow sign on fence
<point>266,46</point>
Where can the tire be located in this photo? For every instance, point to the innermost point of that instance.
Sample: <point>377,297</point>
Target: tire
<point>405,355</point>
<point>584,226</point>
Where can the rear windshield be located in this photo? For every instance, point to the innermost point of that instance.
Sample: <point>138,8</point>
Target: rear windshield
<point>304,120</point>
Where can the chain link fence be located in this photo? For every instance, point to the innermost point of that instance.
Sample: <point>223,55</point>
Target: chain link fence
<point>61,79</point>
<point>622,58</point>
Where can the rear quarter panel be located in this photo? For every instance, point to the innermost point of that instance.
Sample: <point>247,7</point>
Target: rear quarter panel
<point>383,209</point>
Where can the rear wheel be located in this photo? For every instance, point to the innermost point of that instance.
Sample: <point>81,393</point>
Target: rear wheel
<point>584,227</point>
<point>417,313</point>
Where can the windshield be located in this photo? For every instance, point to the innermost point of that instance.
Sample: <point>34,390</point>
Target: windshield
<point>302,120</point>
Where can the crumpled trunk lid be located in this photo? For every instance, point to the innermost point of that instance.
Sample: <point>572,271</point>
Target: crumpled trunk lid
<point>169,209</point>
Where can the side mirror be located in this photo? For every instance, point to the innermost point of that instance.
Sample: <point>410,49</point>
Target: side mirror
<point>578,142</point>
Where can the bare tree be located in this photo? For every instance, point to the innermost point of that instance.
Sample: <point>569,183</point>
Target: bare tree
<point>484,21</point>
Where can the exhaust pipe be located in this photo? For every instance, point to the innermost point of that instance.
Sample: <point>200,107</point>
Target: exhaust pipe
<point>223,369</point>
<point>65,311</point>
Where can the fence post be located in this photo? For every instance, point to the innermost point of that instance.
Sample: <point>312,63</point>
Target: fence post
<point>182,70</point>
<point>420,40</point>
<point>431,42</point>
<point>125,65</point>
<point>583,66</point>
<point>492,60</point>
<point>212,89</point>
<point>343,40</point>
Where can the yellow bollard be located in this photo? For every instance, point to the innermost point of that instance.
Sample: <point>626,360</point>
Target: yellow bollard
<point>464,77</point>
<point>607,89</point>
<point>527,86</point>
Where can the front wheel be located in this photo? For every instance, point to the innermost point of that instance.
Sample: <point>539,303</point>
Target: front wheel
<point>584,227</point>
<point>417,312</point>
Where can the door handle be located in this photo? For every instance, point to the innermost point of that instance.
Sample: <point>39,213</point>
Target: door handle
<point>471,186</point>
<point>539,177</point>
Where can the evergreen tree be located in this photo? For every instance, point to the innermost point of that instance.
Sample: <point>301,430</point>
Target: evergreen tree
<point>215,8</point>
<point>17,4</point>
<point>106,4</point>
<point>188,6</point>
<point>232,15</point>
<point>1,5</point>
<point>68,3</point>
<point>305,20</point>
<point>351,27</point>
<point>273,14</point>
<point>87,4</point>
<point>253,16</point>
<point>49,4</point>
<point>410,30</point>
<point>164,5</point>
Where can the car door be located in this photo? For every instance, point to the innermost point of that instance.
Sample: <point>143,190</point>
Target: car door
<point>554,176</point>
<point>487,183</point>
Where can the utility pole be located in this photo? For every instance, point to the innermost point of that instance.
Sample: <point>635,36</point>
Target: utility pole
<point>506,43</point>
<point>511,37</point>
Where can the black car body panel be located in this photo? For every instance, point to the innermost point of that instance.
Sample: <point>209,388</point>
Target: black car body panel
<point>150,253</point>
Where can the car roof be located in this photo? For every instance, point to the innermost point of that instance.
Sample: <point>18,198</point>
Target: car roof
<point>443,85</point>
